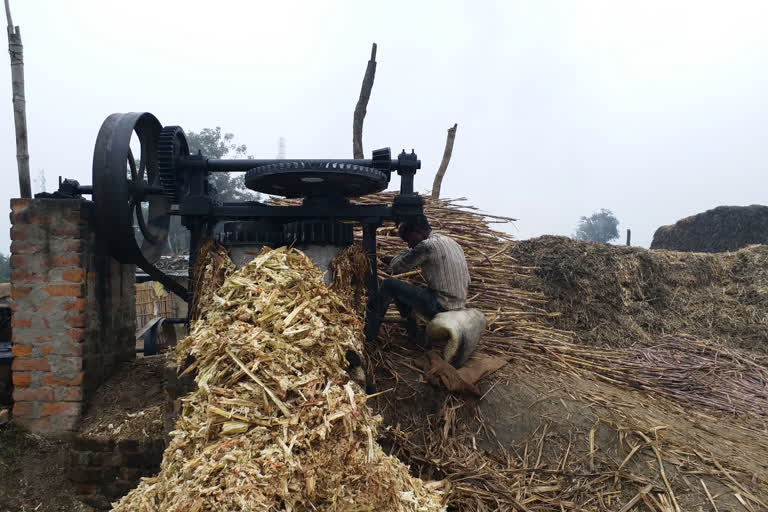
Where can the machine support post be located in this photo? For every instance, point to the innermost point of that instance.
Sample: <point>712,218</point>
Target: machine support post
<point>195,238</point>
<point>371,274</point>
<point>199,205</point>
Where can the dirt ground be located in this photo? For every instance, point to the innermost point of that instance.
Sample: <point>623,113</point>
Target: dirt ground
<point>33,469</point>
<point>574,433</point>
<point>33,474</point>
<point>129,405</point>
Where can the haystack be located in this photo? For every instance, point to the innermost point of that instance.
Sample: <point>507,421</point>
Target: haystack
<point>275,423</point>
<point>725,228</point>
<point>620,296</point>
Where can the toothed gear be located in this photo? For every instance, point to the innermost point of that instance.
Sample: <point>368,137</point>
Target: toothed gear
<point>171,144</point>
<point>311,179</point>
<point>318,232</point>
<point>250,233</point>
<point>382,159</point>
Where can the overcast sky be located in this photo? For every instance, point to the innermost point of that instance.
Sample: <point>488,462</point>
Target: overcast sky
<point>656,110</point>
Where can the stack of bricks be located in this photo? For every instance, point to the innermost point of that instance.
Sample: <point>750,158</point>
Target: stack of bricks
<point>104,470</point>
<point>73,312</point>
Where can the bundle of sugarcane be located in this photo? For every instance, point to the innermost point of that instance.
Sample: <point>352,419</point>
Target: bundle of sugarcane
<point>275,423</point>
<point>512,312</point>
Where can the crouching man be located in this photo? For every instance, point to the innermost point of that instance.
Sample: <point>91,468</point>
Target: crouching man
<point>444,268</point>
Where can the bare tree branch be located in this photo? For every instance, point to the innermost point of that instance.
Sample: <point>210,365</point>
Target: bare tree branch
<point>362,105</point>
<point>19,103</point>
<point>444,164</point>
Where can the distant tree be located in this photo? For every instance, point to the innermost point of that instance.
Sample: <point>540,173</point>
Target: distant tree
<point>601,226</point>
<point>5,269</point>
<point>215,144</point>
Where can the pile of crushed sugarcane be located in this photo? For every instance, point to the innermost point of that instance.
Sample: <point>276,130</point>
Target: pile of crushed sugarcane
<point>275,423</point>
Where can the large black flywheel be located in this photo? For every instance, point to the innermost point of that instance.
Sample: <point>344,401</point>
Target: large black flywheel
<point>132,200</point>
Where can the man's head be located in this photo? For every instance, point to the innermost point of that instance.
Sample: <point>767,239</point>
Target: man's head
<point>414,230</point>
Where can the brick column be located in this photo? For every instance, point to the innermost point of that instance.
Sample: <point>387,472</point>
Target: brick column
<point>73,312</point>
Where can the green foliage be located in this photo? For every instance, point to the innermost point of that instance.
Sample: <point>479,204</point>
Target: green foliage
<point>212,143</point>
<point>5,269</point>
<point>601,227</point>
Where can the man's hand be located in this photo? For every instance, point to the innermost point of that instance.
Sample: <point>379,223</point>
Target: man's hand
<point>386,259</point>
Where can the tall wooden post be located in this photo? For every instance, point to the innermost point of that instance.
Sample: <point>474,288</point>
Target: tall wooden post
<point>19,103</point>
<point>629,237</point>
<point>444,163</point>
<point>362,105</point>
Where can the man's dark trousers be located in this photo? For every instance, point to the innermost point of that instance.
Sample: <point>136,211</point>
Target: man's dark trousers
<point>407,298</point>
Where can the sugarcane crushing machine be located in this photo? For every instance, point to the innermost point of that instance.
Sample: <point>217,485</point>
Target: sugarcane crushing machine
<point>164,180</point>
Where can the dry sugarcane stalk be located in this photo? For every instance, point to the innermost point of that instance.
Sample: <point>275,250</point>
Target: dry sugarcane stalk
<point>362,105</point>
<point>16,51</point>
<point>663,474</point>
<point>444,163</point>
<point>709,496</point>
<point>631,503</point>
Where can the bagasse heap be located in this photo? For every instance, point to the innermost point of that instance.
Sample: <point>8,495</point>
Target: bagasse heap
<point>275,423</point>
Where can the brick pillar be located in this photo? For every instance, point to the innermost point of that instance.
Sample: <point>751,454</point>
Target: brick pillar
<point>73,312</point>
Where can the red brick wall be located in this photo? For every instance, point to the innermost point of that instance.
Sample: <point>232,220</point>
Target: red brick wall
<point>73,312</point>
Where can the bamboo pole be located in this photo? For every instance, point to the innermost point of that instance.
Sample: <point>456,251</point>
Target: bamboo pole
<point>362,105</point>
<point>444,164</point>
<point>16,52</point>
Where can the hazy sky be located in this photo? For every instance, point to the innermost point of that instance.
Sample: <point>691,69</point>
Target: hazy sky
<point>656,110</point>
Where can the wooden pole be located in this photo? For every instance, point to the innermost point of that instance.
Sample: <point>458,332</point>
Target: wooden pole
<point>19,104</point>
<point>362,105</point>
<point>444,164</point>
<point>629,237</point>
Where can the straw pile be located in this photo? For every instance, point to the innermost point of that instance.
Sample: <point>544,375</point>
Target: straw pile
<point>725,228</point>
<point>652,425</point>
<point>275,423</point>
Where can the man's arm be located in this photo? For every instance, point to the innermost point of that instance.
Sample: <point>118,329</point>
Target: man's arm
<point>410,258</point>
